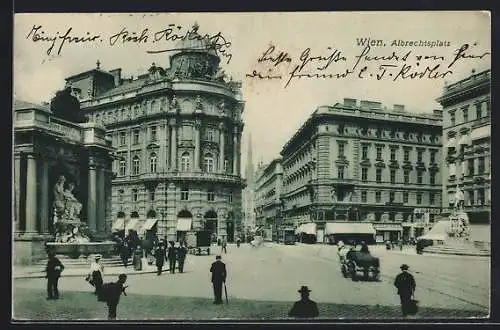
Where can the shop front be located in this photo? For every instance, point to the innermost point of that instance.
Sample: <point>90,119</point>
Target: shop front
<point>388,232</point>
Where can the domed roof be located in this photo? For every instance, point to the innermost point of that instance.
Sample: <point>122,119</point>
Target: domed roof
<point>194,42</point>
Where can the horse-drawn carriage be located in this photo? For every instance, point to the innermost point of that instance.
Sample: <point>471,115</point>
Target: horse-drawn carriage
<point>354,262</point>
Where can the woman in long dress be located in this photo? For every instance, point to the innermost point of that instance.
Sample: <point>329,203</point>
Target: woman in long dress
<point>96,271</point>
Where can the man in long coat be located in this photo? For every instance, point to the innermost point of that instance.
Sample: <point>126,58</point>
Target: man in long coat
<point>219,275</point>
<point>172,257</point>
<point>181,256</point>
<point>405,283</point>
<point>160,258</point>
<point>53,272</point>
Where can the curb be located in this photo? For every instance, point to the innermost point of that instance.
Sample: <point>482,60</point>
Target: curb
<point>85,272</point>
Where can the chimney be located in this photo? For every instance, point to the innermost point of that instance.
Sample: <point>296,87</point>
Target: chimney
<point>437,113</point>
<point>117,75</point>
<point>398,108</point>
<point>350,102</point>
<point>371,105</point>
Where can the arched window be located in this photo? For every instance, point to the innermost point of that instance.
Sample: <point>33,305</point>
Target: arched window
<point>136,164</point>
<point>123,167</point>
<point>120,195</point>
<point>123,114</point>
<point>152,162</point>
<point>135,195</point>
<point>185,162</point>
<point>208,163</point>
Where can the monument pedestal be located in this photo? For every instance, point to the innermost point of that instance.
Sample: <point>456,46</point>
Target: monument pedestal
<point>29,248</point>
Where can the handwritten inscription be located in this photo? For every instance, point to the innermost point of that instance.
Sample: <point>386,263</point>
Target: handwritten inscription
<point>37,34</point>
<point>369,63</point>
<point>56,41</point>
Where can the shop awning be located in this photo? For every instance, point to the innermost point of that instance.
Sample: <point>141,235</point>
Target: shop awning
<point>349,228</point>
<point>388,226</point>
<point>118,225</point>
<point>439,231</point>
<point>481,132</point>
<point>450,143</point>
<point>132,224</point>
<point>149,224</point>
<point>465,140</point>
<point>308,228</point>
<point>184,224</point>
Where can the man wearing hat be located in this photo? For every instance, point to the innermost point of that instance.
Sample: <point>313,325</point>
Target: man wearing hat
<point>304,308</point>
<point>219,274</point>
<point>405,283</point>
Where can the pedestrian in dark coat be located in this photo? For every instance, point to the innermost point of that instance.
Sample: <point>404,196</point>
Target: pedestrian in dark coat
<point>238,242</point>
<point>224,246</point>
<point>172,257</point>
<point>111,293</point>
<point>181,256</point>
<point>53,271</point>
<point>124,253</point>
<point>304,308</point>
<point>405,283</point>
<point>219,275</point>
<point>160,258</point>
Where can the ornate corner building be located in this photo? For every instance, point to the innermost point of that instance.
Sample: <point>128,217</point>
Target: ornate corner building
<point>467,145</point>
<point>46,147</point>
<point>359,161</point>
<point>177,133</point>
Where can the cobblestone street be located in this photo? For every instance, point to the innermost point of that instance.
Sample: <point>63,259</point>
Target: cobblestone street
<point>262,284</point>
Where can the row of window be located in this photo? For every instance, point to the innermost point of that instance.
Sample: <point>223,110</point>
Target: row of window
<point>185,134</point>
<point>393,133</point>
<point>379,149</point>
<point>480,112</point>
<point>393,172</point>
<point>471,169</point>
<point>184,195</point>
<point>208,164</point>
<point>392,197</point>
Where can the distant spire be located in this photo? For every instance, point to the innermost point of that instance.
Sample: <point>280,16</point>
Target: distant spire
<point>249,169</point>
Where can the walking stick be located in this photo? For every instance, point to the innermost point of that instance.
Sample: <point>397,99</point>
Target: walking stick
<point>225,290</point>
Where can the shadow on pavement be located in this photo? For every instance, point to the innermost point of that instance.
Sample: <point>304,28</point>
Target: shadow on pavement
<point>30,304</point>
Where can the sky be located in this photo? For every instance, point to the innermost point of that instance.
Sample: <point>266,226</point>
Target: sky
<point>272,112</point>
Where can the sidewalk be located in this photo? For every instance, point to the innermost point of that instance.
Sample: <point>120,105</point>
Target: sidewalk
<point>20,272</point>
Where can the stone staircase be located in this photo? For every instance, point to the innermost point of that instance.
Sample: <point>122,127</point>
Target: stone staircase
<point>464,249</point>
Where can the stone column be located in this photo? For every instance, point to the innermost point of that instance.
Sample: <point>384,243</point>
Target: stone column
<point>101,201</point>
<point>31,195</point>
<point>17,192</point>
<point>173,146</point>
<point>92,199</point>
<point>197,127</point>
<point>44,202</point>
<point>235,151</point>
<point>170,221</point>
<point>144,158</point>
<point>238,153</point>
<point>221,148</point>
<point>128,172</point>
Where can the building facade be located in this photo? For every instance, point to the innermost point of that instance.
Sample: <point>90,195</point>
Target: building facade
<point>47,147</point>
<point>359,161</point>
<point>268,188</point>
<point>467,145</point>
<point>177,133</point>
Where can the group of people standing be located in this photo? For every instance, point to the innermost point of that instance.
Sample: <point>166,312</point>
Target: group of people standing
<point>173,254</point>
